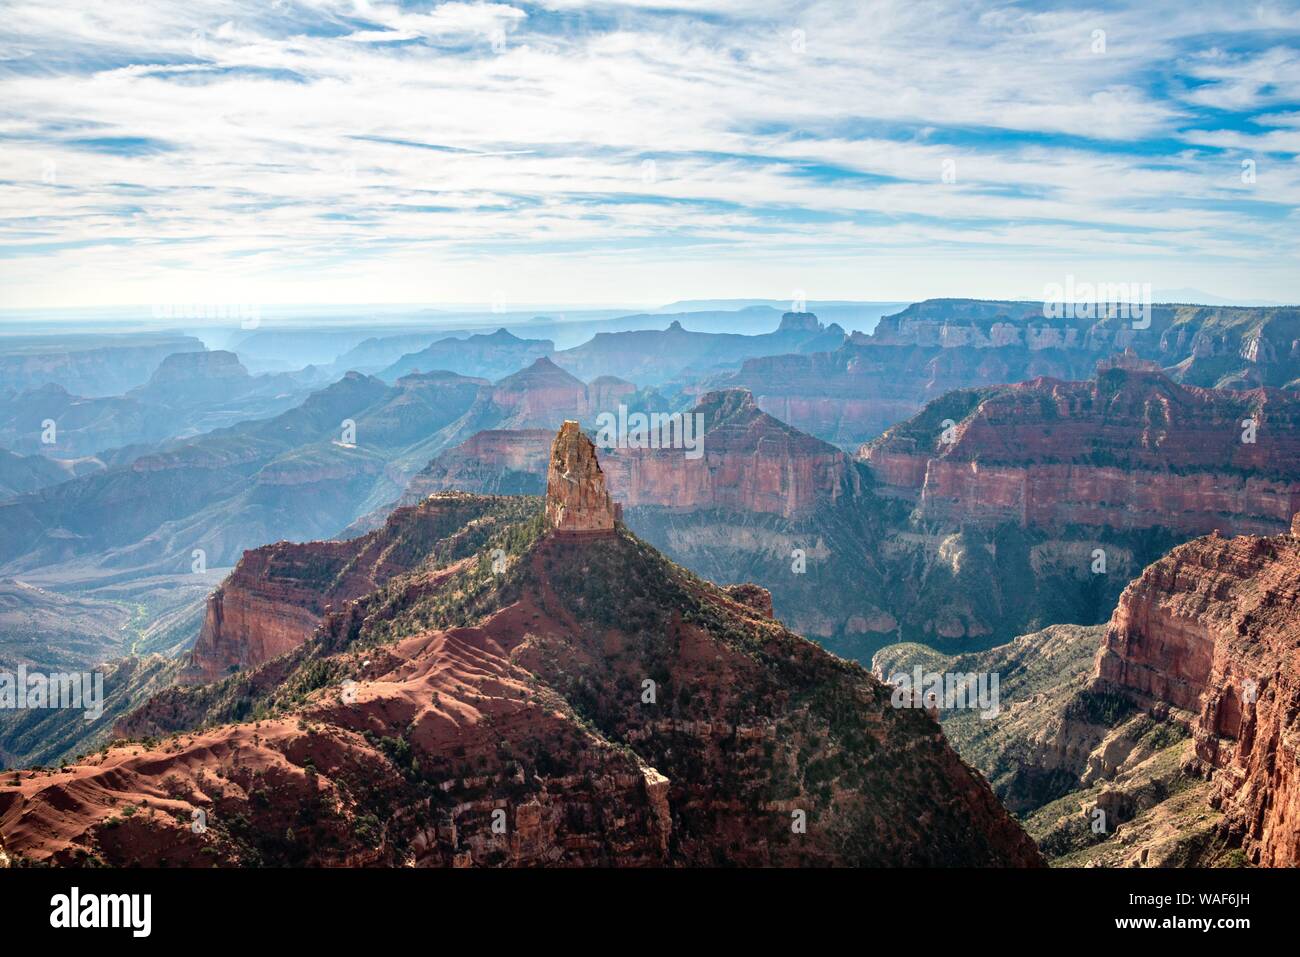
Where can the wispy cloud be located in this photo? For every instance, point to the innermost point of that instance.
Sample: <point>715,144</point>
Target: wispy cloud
<point>575,151</point>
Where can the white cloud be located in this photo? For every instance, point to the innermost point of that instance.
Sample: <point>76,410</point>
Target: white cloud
<point>261,142</point>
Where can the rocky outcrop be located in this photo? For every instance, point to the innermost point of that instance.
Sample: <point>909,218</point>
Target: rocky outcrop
<point>576,499</point>
<point>1129,449</point>
<point>850,394</point>
<point>278,595</point>
<point>572,700</point>
<point>746,461</point>
<point>1211,633</point>
<point>270,604</point>
<point>491,462</point>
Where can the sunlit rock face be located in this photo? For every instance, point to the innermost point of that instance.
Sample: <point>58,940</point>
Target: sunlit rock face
<point>1129,449</point>
<point>1211,631</point>
<point>576,498</point>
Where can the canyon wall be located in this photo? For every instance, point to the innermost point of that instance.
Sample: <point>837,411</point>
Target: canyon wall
<point>1212,631</point>
<point>747,461</point>
<point>851,394</point>
<point>1130,449</point>
<point>278,595</point>
<point>466,715</point>
<point>491,462</point>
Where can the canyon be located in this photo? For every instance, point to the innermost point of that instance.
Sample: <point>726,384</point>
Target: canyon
<point>87,364</point>
<point>852,557</point>
<point>1128,449</point>
<point>522,695</point>
<point>851,394</point>
<point>1211,633</point>
<point>1165,737</point>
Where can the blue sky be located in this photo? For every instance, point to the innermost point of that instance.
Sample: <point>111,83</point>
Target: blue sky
<point>621,152</point>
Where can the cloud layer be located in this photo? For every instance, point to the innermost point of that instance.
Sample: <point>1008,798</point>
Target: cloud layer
<point>332,150</point>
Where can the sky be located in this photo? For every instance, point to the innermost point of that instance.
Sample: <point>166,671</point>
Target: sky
<point>160,153</point>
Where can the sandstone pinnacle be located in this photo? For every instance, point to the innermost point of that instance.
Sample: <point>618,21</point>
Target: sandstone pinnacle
<point>576,498</point>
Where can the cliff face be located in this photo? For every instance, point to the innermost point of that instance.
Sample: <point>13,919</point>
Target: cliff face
<point>750,462</point>
<point>576,499</point>
<point>538,397</point>
<point>528,697</point>
<point>852,393</point>
<point>1213,631</point>
<point>271,603</point>
<point>849,395</point>
<point>278,594</point>
<point>491,462</point>
<point>1129,449</point>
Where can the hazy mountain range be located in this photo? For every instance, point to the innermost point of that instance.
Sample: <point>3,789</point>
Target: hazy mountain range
<point>965,487</point>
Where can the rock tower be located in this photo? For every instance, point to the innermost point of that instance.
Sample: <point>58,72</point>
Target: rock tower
<point>576,499</point>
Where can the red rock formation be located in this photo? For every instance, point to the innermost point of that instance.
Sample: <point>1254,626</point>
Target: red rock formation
<point>278,594</point>
<point>576,499</point>
<point>1213,631</point>
<point>1130,449</point>
<point>269,604</point>
<point>750,462</point>
<point>534,396</point>
<point>527,736</point>
<point>492,462</point>
<point>539,397</point>
<point>853,393</point>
